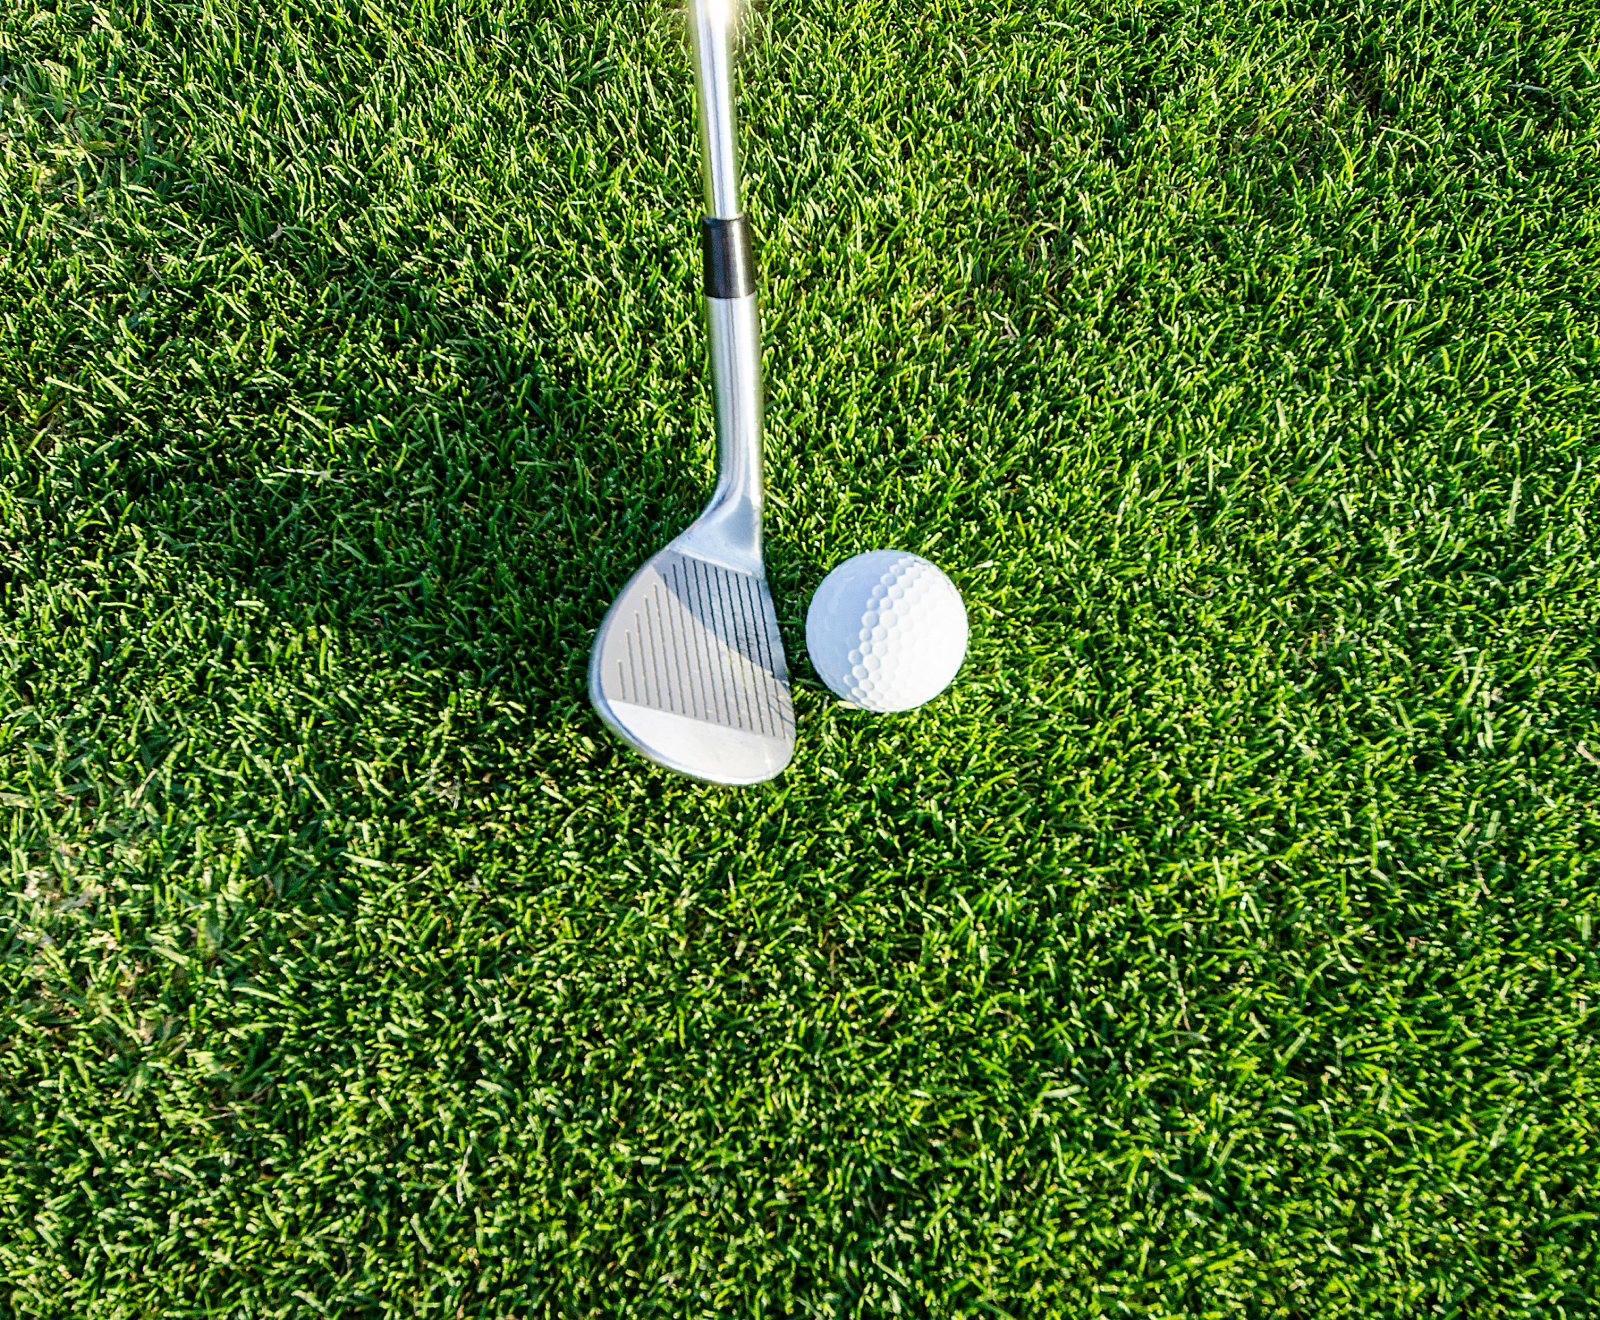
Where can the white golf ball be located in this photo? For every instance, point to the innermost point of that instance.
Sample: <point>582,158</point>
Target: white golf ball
<point>887,630</point>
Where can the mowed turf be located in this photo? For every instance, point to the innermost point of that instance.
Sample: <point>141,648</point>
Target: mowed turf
<point>1223,943</point>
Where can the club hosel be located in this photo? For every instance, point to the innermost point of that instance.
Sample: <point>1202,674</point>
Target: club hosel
<point>733,330</point>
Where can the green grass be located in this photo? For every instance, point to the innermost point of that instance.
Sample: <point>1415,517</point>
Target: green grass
<point>1223,944</point>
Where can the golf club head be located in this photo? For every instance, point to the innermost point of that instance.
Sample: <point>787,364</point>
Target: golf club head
<point>688,668</point>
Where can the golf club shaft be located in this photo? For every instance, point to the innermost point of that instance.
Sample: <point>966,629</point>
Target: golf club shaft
<point>711,30</point>
<point>732,323</point>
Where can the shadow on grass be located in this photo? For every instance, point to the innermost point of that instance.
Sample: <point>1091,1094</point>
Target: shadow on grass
<point>451,499</point>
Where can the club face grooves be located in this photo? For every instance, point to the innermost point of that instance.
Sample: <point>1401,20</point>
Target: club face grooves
<point>698,642</point>
<point>695,639</point>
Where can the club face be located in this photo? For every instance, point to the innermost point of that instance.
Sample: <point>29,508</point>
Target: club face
<point>688,669</point>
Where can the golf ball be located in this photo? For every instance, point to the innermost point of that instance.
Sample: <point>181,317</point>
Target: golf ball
<point>887,630</point>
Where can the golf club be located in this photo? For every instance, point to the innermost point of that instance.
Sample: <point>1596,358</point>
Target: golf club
<point>688,666</point>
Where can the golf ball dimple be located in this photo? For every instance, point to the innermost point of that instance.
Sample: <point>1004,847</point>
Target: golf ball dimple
<point>887,630</point>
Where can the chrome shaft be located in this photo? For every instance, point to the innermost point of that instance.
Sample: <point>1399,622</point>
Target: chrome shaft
<point>712,25</point>
<point>733,324</point>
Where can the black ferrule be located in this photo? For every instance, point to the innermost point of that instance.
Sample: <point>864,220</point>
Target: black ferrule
<point>730,267</point>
